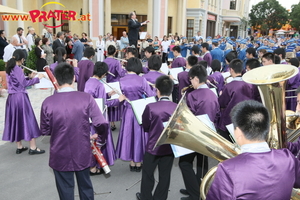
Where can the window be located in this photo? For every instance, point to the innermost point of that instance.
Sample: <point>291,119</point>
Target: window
<point>232,5</point>
<point>190,29</point>
<point>65,27</point>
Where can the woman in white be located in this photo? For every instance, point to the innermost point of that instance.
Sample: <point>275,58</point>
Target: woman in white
<point>100,44</point>
<point>30,38</point>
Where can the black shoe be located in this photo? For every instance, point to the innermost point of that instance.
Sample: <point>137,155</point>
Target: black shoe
<point>21,150</point>
<point>113,127</point>
<point>36,151</point>
<point>184,191</point>
<point>138,169</point>
<point>97,172</point>
<point>138,195</point>
<point>132,168</point>
<point>185,198</point>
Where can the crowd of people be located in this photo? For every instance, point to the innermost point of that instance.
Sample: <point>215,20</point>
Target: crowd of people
<point>211,81</point>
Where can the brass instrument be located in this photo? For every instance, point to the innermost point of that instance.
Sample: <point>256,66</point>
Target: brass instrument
<point>183,90</point>
<point>185,130</point>
<point>292,125</point>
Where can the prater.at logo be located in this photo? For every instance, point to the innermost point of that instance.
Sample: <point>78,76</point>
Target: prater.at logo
<point>44,16</point>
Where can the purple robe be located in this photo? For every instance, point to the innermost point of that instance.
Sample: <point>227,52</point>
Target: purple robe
<point>292,84</point>
<point>54,65</point>
<point>155,114</point>
<point>233,93</point>
<point>199,58</point>
<point>178,62</point>
<point>86,70</point>
<point>145,70</point>
<point>95,88</point>
<point>183,81</point>
<point>259,176</point>
<point>114,67</point>
<point>207,57</point>
<point>151,76</point>
<point>65,116</point>
<point>132,139</point>
<point>20,122</point>
<point>218,80</point>
<point>294,147</point>
<point>204,101</point>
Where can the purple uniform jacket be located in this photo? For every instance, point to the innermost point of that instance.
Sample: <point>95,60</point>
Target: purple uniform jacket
<point>114,67</point>
<point>199,58</point>
<point>96,88</point>
<point>155,114</point>
<point>207,57</point>
<point>183,81</point>
<point>86,70</point>
<point>259,176</point>
<point>178,62</point>
<point>76,70</point>
<point>65,116</point>
<point>204,101</point>
<point>233,93</point>
<point>217,79</point>
<point>292,84</point>
<point>151,76</point>
<point>294,147</point>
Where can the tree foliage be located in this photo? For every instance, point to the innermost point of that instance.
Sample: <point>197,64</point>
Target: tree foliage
<point>268,14</point>
<point>295,16</point>
<point>31,60</point>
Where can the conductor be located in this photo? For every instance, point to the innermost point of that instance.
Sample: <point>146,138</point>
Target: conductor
<point>133,29</point>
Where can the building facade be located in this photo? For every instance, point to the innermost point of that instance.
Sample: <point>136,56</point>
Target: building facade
<point>181,17</point>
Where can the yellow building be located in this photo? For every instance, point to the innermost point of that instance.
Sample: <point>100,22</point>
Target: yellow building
<point>182,17</point>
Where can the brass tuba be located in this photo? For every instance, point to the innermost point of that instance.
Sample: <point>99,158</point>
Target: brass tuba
<point>185,130</point>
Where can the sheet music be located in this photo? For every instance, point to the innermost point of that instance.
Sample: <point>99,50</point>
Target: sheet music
<point>139,106</point>
<point>143,35</point>
<point>164,68</point>
<point>174,72</point>
<point>230,128</point>
<point>44,82</point>
<point>101,105</point>
<point>115,85</point>
<point>225,74</point>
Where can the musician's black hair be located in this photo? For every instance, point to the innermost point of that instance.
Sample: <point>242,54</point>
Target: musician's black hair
<point>203,63</point>
<point>215,65</point>
<point>132,50</point>
<point>277,59</point>
<point>294,62</point>
<point>252,51</point>
<point>150,49</point>
<point>198,71</point>
<point>36,41</point>
<point>195,49</point>
<point>59,54</point>
<point>1,32</point>
<point>20,29</point>
<point>100,68</point>
<point>192,60</point>
<point>134,65</point>
<point>176,48</point>
<point>230,56</point>
<point>64,73</point>
<point>253,63</point>
<point>18,55</point>
<point>269,56</point>
<point>215,44</point>
<point>89,52</point>
<point>252,118</point>
<point>236,65</point>
<point>154,62</point>
<point>205,45</point>
<point>111,49</point>
<point>165,85</point>
<point>279,51</point>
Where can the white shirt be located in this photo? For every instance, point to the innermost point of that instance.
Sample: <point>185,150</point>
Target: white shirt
<point>100,45</point>
<point>110,43</point>
<point>22,39</point>
<point>29,38</point>
<point>255,148</point>
<point>165,45</point>
<point>8,52</point>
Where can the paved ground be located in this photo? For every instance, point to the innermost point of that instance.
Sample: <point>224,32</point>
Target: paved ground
<point>25,177</point>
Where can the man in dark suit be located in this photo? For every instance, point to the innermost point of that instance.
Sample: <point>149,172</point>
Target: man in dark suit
<point>59,42</point>
<point>133,29</point>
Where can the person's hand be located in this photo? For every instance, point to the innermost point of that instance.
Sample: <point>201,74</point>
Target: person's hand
<point>94,136</point>
<point>32,75</point>
<point>44,55</point>
<point>41,76</point>
<point>171,77</point>
<point>122,98</point>
<point>111,93</point>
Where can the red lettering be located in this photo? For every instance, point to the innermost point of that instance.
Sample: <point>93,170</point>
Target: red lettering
<point>72,15</point>
<point>15,17</point>
<point>58,13</point>
<point>64,16</point>
<point>5,17</point>
<point>88,16</point>
<point>43,16</point>
<point>51,14</point>
<point>34,14</point>
<point>24,17</point>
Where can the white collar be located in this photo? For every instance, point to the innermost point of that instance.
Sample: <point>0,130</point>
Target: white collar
<point>255,148</point>
<point>164,98</point>
<point>66,89</point>
<point>202,86</point>
<point>237,78</point>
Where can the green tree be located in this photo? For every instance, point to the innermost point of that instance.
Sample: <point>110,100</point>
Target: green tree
<point>295,16</point>
<point>268,14</point>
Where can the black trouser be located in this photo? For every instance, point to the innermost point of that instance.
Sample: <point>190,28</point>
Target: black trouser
<point>133,42</point>
<point>191,180</point>
<point>164,57</point>
<point>150,163</point>
<point>175,94</point>
<point>26,55</point>
<point>65,184</point>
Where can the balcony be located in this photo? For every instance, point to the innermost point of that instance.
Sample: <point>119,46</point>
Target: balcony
<point>232,13</point>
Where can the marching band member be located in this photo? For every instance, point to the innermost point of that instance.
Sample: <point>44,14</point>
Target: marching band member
<point>20,122</point>
<point>281,53</point>
<point>216,53</point>
<point>149,51</point>
<point>196,51</point>
<point>154,116</point>
<point>132,140</point>
<point>292,84</point>
<point>178,61</point>
<point>216,77</point>
<point>65,116</point>
<point>206,56</point>
<point>200,101</point>
<point>252,64</point>
<point>154,64</point>
<point>86,68</point>
<point>233,93</point>
<point>247,176</point>
<point>95,88</point>
<point>268,59</point>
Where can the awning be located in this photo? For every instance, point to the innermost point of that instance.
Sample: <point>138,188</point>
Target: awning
<point>231,19</point>
<point>9,10</point>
